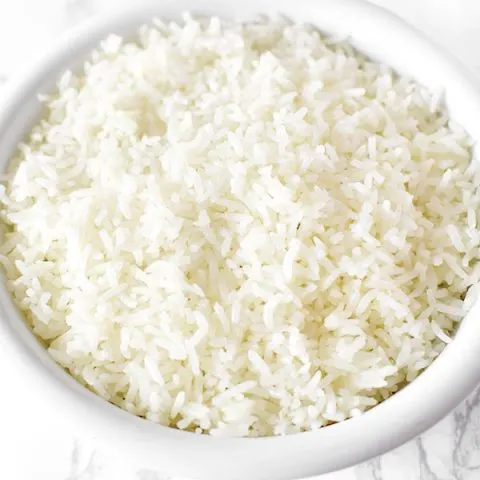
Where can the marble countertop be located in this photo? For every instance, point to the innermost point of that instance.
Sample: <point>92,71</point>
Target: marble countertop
<point>35,445</point>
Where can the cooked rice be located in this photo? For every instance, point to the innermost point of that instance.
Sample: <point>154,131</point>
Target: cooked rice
<point>241,229</point>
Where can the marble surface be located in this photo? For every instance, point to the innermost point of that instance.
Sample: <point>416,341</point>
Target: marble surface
<point>36,445</point>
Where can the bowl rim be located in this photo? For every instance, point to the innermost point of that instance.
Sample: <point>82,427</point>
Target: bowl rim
<point>398,419</point>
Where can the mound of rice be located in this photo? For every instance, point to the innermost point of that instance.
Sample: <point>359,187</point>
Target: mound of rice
<point>241,229</point>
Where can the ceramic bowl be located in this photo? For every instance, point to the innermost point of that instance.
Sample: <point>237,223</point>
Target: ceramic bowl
<point>406,414</point>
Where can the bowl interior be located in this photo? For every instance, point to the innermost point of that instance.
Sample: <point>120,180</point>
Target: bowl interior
<point>380,36</point>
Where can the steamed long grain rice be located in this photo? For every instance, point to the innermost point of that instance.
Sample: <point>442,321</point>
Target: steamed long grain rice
<point>241,229</point>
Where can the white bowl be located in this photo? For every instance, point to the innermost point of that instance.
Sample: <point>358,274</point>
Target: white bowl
<point>418,406</point>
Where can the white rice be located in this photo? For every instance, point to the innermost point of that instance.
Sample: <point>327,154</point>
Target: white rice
<point>241,229</point>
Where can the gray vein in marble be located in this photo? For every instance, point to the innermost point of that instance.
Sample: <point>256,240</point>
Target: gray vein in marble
<point>425,470</point>
<point>371,470</point>
<point>466,453</point>
<point>83,465</point>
